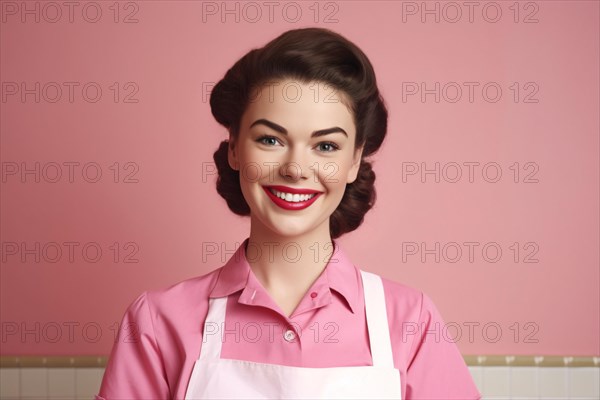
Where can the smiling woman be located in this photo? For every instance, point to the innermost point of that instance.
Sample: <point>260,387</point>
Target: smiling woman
<point>294,160</point>
<point>330,79</point>
<point>302,114</point>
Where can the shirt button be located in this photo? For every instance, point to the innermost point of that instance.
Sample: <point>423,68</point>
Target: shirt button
<point>289,335</point>
<point>313,294</point>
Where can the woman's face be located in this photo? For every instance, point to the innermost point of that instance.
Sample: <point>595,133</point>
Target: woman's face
<point>295,137</point>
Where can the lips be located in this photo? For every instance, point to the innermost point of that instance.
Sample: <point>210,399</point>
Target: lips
<point>286,189</point>
<point>288,205</point>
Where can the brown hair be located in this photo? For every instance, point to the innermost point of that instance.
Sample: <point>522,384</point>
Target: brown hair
<point>307,55</point>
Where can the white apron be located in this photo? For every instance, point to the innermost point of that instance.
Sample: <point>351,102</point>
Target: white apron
<point>214,377</point>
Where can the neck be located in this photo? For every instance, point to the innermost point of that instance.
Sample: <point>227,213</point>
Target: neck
<point>288,264</point>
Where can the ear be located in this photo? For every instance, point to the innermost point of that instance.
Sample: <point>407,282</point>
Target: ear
<point>232,154</point>
<point>353,172</point>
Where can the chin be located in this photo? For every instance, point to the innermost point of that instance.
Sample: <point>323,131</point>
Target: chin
<point>290,232</point>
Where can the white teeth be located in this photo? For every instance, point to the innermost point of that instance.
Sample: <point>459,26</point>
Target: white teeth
<point>292,198</point>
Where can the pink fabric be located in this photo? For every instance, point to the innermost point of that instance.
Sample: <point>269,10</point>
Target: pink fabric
<point>161,333</point>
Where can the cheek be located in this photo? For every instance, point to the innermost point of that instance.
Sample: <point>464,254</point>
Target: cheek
<point>249,192</point>
<point>335,174</point>
<point>259,163</point>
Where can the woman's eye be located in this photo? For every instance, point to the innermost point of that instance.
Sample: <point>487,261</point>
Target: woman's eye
<point>265,139</point>
<point>329,147</point>
<point>325,147</point>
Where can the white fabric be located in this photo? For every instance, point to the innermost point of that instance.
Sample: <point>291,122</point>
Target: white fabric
<point>216,378</point>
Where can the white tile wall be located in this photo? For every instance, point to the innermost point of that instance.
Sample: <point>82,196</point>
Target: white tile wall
<point>49,383</point>
<point>524,383</point>
<point>529,383</point>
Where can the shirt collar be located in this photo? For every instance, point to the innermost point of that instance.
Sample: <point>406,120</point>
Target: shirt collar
<point>340,274</point>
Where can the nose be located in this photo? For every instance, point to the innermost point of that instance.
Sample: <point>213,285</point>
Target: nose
<point>293,171</point>
<point>294,168</point>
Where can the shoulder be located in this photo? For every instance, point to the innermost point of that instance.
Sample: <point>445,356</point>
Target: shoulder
<point>183,294</point>
<point>407,304</point>
<point>175,299</point>
<point>400,296</point>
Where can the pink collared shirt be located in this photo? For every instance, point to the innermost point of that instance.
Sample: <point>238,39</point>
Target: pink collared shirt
<point>161,333</point>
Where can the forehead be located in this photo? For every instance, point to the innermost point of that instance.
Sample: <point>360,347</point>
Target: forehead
<point>298,106</point>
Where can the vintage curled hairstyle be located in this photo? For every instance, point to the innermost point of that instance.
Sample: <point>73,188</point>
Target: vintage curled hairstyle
<point>306,55</point>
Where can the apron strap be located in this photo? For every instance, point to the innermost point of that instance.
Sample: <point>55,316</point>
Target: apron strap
<point>213,329</point>
<point>377,322</point>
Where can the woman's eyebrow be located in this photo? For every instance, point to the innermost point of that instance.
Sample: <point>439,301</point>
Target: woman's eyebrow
<point>283,131</point>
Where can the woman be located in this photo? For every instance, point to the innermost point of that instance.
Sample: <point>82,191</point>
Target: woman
<point>289,315</point>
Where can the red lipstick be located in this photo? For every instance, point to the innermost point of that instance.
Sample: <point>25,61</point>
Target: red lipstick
<point>286,189</point>
<point>288,205</point>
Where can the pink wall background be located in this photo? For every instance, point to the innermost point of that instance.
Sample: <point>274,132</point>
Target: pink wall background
<point>547,131</point>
